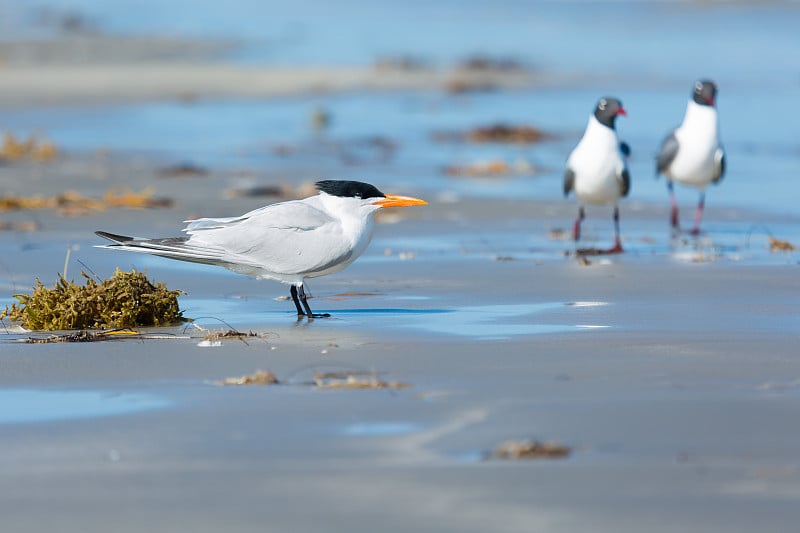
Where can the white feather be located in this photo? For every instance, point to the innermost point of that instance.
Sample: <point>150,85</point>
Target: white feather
<point>697,161</point>
<point>286,242</point>
<point>597,163</point>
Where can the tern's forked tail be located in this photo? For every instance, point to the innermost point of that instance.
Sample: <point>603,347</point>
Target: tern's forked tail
<point>171,247</point>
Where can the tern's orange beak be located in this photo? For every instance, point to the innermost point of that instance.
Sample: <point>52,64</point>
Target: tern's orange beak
<point>398,201</point>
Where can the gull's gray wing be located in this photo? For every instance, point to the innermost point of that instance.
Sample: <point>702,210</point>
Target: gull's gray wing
<point>669,149</point>
<point>624,179</point>
<point>624,175</point>
<point>719,159</point>
<point>569,181</point>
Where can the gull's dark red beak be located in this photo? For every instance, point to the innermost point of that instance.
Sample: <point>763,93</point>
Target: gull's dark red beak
<point>622,112</point>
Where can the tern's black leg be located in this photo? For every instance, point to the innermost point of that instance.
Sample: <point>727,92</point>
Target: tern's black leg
<point>673,217</point>
<point>576,228</point>
<point>698,216</point>
<point>297,302</point>
<point>308,308</point>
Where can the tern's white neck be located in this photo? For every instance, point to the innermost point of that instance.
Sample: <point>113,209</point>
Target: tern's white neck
<point>355,220</point>
<point>354,214</point>
<point>347,206</point>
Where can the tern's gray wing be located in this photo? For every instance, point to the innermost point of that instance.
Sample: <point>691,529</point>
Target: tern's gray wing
<point>569,181</point>
<point>286,238</point>
<point>669,148</point>
<point>296,213</point>
<point>289,238</point>
<point>719,159</point>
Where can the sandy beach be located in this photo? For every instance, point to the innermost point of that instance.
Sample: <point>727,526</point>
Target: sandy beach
<point>669,372</point>
<point>672,377</point>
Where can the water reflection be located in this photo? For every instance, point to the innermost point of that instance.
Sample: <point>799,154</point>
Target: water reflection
<point>492,322</point>
<point>30,405</point>
<point>377,429</point>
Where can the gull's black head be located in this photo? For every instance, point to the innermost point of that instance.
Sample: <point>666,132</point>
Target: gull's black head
<point>349,189</point>
<point>607,111</point>
<point>705,93</point>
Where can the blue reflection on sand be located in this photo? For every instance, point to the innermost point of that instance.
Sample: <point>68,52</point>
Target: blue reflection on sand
<point>491,322</point>
<point>483,322</point>
<point>29,405</point>
<point>377,429</point>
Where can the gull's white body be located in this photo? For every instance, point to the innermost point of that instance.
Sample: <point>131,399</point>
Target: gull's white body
<point>699,157</point>
<point>285,242</point>
<point>598,164</point>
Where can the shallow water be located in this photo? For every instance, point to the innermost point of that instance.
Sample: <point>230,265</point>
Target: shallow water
<point>380,429</point>
<point>647,53</point>
<point>639,39</point>
<point>31,405</point>
<point>480,322</point>
<point>763,154</point>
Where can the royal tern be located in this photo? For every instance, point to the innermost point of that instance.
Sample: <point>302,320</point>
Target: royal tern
<point>597,169</point>
<point>692,154</point>
<point>286,242</point>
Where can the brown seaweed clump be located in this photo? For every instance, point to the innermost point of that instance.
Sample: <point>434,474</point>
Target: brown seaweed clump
<point>261,377</point>
<point>531,449</point>
<point>504,133</point>
<point>327,381</point>
<point>126,299</point>
<point>483,63</point>
<point>86,336</point>
<point>31,149</point>
<point>182,170</point>
<point>73,203</point>
<point>778,245</point>
<point>496,133</point>
<point>491,168</point>
<point>351,380</point>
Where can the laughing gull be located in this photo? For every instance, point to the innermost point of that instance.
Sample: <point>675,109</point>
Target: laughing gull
<point>597,169</point>
<point>691,154</point>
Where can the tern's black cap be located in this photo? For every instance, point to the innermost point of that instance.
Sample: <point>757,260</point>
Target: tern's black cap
<point>705,92</point>
<point>349,189</point>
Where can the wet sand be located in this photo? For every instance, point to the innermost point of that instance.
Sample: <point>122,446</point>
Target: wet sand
<point>670,372</point>
<point>84,84</point>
